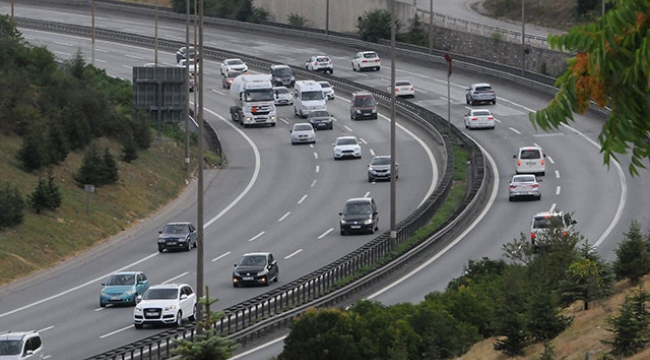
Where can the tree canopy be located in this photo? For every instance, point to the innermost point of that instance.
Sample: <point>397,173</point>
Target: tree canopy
<point>611,68</point>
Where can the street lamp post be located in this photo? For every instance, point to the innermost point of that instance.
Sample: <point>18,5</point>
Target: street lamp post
<point>92,29</point>
<point>200,242</point>
<point>430,26</point>
<point>156,33</point>
<point>448,59</point>
<point>187,85</point>
<point>523,40</point>
<point>12,8</point>
<point>393,231</point>
<point>327,17</point>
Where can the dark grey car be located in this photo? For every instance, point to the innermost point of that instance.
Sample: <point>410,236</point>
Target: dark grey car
<point>177,236</point>
<point>321,119</point>
<point>282,75</point>
<point>259,268</point>
<point>379,168</point>
<point>359,215</point>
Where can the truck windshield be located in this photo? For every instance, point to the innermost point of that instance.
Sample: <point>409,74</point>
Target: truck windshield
<point>312,95</point>
<point>259,95</point>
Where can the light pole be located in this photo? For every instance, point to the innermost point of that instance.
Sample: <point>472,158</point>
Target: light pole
<point>187,85</point>
<point>156,33</point>
<point>327,17</point>
<point>92,28</point>
<point>523,40</point>
<point>430,26</point>
<point>199,253</point>
<point>448,59</point>
<point>393,231</point>
<point>12,8</point>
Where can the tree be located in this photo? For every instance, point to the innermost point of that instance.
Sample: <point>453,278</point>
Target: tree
<point>610,68</point>
<point>95,169</point>
<point>632,255</point>
<point>38,199</point>
<point>417,34</point>
<point>129,149</point>
<point>33,154</point>
<point>206,345</point>
<point>545,320</point>
<point>589,278</point>
<point>296,20</point>
<point>11,207</point>
<point>111,172</point>
<point>57,144</point>
<point>375,25</point>
<point>631,326</point>
<point>510,315</point>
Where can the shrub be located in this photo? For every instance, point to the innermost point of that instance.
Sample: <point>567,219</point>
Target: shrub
<point>11,207</point>
<point>45,196</point>
<point>296,20</point>
<point>632,256</point>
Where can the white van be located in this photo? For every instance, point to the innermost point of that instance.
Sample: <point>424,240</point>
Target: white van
<point>308,95</point>
<point>530,160</point>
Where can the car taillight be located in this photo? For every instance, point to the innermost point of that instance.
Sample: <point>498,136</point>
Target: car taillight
<point>513,186</point>
<point>396,89</point>
<point>364,61</point>
<point>412,89</point>
<point>315,62</point>
<point>564,233</point>
<point>542,162</point>
<point>535,186</point>
<point>474,119</point>
<point>532,235</point>
<point>518,162</point>
<point>330,62</point>
<point>490,118</point>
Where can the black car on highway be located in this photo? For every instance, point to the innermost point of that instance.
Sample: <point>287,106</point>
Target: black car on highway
<point>259,268</point>
<point>177,236</point>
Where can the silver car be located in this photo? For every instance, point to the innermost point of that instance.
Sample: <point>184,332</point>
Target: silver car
<point>379,168</point>
<point>545,221</point>
<point>302,133</point>
<point>346,146</point>
<point>328,90</point>
<point>524,186</point>
<point>478,93</point>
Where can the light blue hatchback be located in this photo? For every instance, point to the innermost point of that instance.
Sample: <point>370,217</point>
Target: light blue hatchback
<point>122,288</point>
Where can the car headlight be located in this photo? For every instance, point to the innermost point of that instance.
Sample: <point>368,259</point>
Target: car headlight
<point>358,111</point>
<point>374,111</point>
<point>343,222</point>
<point>129,292</point>
<point>367,222</point>
<point>272,117</point>
<point>182,240</point>
<point>102,293</point>
<point>169,308</point>
<point>261,273</point>
<point>161,240</point>
<point>137,309</point>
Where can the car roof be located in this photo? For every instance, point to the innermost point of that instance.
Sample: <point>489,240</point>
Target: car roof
<point>167,286</point>
<point>368,52</point>
<point>549,213</point>
<point>126,272</point>
<point>280,87</point>
<point>279,66</point>
<point>179,223</point>
<point>16,335</point>
<point>524,175</point>
<point>481,85</point>
<point>531,147</point>
<point>347,137</point>
<point>381,156</point>
<point>257,253</point>
<point>359,200</point>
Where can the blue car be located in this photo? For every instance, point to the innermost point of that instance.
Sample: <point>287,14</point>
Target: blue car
<point>122,288</point>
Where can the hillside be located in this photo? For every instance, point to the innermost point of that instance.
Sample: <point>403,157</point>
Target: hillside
<point>554,14</point>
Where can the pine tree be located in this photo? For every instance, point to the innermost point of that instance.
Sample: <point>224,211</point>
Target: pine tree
<point>632,256</point>
<point>631,326</point>
<point>91,168</point>
<point>39,199</point>
<point>129,150</point>
<point>111,174</point>
<point>510,316</point>
<point>589,278</point>
<point>53,194</point>
<point>57,144</point>
<point>11,207</point>
<point>33,153</point>
<point>545,320</point>
<point>417,33</point>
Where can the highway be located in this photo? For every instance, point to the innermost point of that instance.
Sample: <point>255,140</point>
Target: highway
<point>275,177</point>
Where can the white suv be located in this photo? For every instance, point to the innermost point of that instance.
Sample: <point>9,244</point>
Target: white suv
<point>320,63</point>
<point>165,304</point>
<point>21,345</point>
<point>366,60</point>
<point>530,160</point>
<point>543,221</point>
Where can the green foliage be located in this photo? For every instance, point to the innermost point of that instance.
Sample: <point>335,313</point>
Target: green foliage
<point>242,10</point>
<point>375,25</point>
<point>545,319</point>
<point>11,207</point>
<point>631,326</point>
<point>588,278</point>
<point>206,345</point>
<point>97,170</point>
<point>33,154</point>
<point>129,150</point>
<point>45,196</point>
<point>510,314</point>
<point>549,352</point>
<point>296,20</point>
<point>585,6</point>
<point>57,144</point>
<point>610,68</point>
<point>632,255</point>
<point>417,33</point>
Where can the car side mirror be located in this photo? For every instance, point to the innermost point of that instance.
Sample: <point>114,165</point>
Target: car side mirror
<point>375,212</point>
<point>514,156</point>
<point>138,299</point>
<point>235,265</point>
<point>103,284</point>
<point>574,222</point>
<point>340,214</point>
<point>290,131</point>
<point>184,297</point>
<point>544,155</point>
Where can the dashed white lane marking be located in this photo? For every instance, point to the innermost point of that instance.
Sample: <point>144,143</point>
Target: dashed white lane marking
<point>256,236</point>
<point>557,190</point>
<point>325,233</point>
<point>557,174</point>
<point>221,256</point>
<point>284,216</point>
<point>175,278</point>
<point>302,199</point>
<point>293,254</point>
<point>514,130</point>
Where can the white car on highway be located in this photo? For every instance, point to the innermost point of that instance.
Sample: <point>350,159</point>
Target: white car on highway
<point>322,63</point>
<point>403,88</point>
<point>522,186</point>
<point>346,146</point>
<point>479,118</point>
<point>366,60</point>
<point>328,90</point>
<point>165,304</point>
<point>233,65</point>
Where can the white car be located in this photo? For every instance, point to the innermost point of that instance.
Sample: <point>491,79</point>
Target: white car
<point>346,146</point>
<point>479,119</point>
<point>165,304</point>
<point>21,345</point>
<point>233,64</point>
<point>282,96</point>
<point>524,186</point>
<point>546,221</point>
<point>193,66</point>
<point>403,88</point>
<point>303,133</point>
<point>321,63</point>
<point>530,160</point>
<point>328,90</point>
<point>366,60</point>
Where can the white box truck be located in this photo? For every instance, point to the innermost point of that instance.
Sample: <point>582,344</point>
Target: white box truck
<point>254,102</point>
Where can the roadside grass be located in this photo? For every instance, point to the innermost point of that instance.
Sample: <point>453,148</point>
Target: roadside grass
<point>82,221</point>
<point>554,14</point>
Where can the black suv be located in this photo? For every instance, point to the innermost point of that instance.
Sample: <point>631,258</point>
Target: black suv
<point>363,106</point>
<point>359,215</point>
<point>282,75</point>
<point>177,236</point>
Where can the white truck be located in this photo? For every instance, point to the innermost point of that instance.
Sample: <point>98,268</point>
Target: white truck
<point>254,101</point>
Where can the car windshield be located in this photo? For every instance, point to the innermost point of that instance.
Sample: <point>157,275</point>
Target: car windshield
<point>175,229</point>
<point>364,101</point>
<point>530,154</point>
<point>312,95</point>
<point>319,114</point>
<point>160,294</point>
<point>402,83</point>
<point>283,72</point>
<point>121,279</point>
<point>346,141</point>
<point>10,347</point>
<point>322,59</point>
<point>524,179</point>
<point>259,95</point>
<point>483,89</point>
<point>253,260</point>
<point>233,74</point>
<point>234,62</point>
<point>381,161</point>
<point>370,55</point>
<point>281,91</point>
<point>546,222</point>
<point>481,113</point>
<point>325,85</point>
<point>357,209</point>
<point>302,127</point>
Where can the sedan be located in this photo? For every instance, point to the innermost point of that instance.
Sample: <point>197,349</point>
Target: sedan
<point>259,268</point>
<point>177,236</point>
<point>524,186</point>
<point>403,88</point>
<point>302,133</point>
<point>228,78</point>
<point>123,288</point>
<point>282,96</point>
<point>346,146</point>
<point>328,90</point>
<point>379,168</point>
<point>183,52</point>
<point>233,64</point>
<point>482,118</point>
<point>321,119</point>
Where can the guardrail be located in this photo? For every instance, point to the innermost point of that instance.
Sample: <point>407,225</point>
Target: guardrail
<point>262,314</point>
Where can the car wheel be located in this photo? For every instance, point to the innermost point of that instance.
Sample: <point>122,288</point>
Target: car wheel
<point>235,285</point>
<point>471,101</point>
<point>161,249</point>
<point>494,102</point>
<point>331,71</point>
<point>277,276</point>
<point>511,199</point>
<point>293,143</point>
<point>370,179</point>
<point>353,69</point>
<point>189,246</point>
<point>179,319</point>
<point>378,68</point>
<point>539,198</point>
<point>101,304</point>
<point>466,126</point>
<point>135,299</point>
<point>343,232</point>
<point>272,124</point>
<point>193,316</point>
<point>137,326</point>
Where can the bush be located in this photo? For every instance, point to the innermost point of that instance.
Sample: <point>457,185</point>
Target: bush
<point>11,207</point>
<point>296,20</point>
<point>375,25</point>
<point>632,256</point>
<point>33,154</point>
<point>96,170</point>
<point>631,326</point>
<point>45,196</point>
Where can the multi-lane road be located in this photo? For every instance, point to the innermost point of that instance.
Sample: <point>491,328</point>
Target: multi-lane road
<point>285,199</point>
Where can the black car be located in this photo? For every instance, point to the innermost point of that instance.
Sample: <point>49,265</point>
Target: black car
<point>320,119</point>
<point>183,52</point>
<point>259,268</point>
<point>177,236</point>
<point>359,215</point>
<point>282,75</point>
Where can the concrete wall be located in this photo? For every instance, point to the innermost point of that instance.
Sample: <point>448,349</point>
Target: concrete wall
<point>343,14</point>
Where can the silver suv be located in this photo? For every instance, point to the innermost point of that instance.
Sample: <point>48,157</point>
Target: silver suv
<point>21,345</point>
<point>543,221</point>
